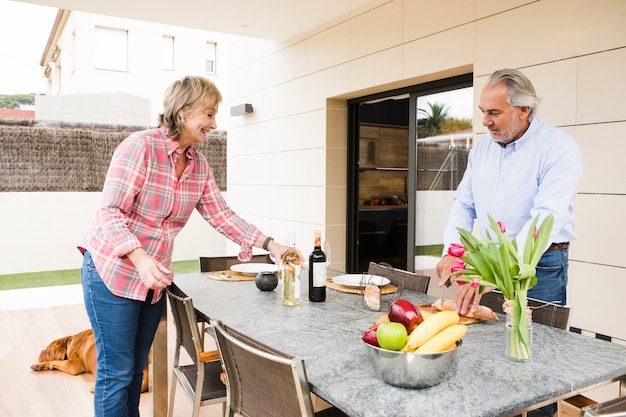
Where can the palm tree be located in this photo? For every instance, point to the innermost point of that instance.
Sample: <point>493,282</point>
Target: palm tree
<point>431,124</point>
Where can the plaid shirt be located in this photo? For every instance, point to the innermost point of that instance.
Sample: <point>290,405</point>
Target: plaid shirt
<point>145,205</point>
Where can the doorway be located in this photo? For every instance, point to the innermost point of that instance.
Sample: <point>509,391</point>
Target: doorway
<point>401,165</point>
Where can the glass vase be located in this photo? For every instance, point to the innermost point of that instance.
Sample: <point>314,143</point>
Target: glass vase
<point>518,331</point>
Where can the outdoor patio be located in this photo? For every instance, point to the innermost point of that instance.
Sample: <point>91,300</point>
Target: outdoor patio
<point>29,320</point>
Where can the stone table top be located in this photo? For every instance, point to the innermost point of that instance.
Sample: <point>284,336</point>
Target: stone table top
<point>328,337</point>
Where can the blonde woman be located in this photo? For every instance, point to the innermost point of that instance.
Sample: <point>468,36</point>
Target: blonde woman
<point>155,180</point>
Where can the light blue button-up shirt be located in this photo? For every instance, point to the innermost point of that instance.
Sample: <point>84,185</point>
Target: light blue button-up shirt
<point>538,173</point>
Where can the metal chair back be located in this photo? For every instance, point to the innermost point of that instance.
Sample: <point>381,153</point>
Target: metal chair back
<point>200,380</point>
<point>261,381</point>
<point>550,314</point>
<point>400,278</point>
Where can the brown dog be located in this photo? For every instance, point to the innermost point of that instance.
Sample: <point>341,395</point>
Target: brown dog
<point>75,355</point>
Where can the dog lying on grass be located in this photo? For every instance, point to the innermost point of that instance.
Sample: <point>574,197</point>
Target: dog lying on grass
<point>75,355</point>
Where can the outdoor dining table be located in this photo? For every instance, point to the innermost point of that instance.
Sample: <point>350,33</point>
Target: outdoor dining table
<point>327,336</point>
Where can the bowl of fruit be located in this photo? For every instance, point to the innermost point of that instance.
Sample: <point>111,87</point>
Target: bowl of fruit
<point>410,348</point>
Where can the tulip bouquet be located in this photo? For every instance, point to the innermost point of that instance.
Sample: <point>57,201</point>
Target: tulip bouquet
<point>494,262</point>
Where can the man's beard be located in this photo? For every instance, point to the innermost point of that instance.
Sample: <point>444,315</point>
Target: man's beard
<point>510,135</point>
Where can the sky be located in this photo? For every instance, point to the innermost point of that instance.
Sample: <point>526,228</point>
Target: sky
<point>24,31</point>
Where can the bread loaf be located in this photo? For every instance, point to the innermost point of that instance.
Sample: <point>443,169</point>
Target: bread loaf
<point>371,296</point>
<point>481,312</point>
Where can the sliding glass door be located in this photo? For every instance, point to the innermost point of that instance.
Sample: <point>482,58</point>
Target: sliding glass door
<point>403,163</point>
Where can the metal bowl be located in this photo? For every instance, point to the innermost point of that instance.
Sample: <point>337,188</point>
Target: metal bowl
<point>412,370</point>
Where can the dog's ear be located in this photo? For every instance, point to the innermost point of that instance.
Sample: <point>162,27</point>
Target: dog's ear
<point>56,350</point>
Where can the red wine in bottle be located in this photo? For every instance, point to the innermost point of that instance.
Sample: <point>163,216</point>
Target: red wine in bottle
<point>317,270</point>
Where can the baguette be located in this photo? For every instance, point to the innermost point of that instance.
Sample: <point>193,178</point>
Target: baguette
<point>371,296</point>
<point>481,312</point>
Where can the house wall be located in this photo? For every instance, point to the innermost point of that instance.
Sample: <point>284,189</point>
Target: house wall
<point>145,77</point>
<point>41,231</point>
<point>292,149</point>
<point>105,108</point>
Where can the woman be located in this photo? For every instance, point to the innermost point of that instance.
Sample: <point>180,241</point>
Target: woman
<point>155,180</point>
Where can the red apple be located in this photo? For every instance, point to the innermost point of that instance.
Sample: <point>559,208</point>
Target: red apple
<point>369,336</point>
<point>404,311</point>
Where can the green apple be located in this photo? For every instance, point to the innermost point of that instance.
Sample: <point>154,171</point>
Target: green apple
<point>391,335</point>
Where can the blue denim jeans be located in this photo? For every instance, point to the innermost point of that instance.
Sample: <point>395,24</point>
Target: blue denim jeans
<point>551,277</point>
<point>123,329</point>
<point>551,286</point>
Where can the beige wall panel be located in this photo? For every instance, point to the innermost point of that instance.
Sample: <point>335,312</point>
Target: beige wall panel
<point>603,147</point>
<point>327,48</point>
<point>243,51</point>
<point>602,86</point>
<point>376,30</point>
<point>289,203</point>
<point>279,229</point>
<point>336,205</point>
<point>422,19</point>
<point>336,235</point>
<point>600,229</point>
<point>489,7</point>
<point>381,68</point>
<point>304,167</point>
<point>560,29</point>
<point>336,166</point>
<point>337,124</point>
<point>596,295</point>
<point>557,93</point>
<point>439,52</point>
<point>298,131</point>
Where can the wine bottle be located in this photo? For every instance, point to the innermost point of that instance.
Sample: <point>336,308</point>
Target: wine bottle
<point>290,271</point>
<point>317,270</point>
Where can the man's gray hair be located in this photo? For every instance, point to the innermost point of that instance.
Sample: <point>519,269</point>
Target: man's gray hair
<point>520,89</point>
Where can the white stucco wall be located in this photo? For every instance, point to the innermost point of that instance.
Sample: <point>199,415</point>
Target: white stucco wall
<point>40,232</point>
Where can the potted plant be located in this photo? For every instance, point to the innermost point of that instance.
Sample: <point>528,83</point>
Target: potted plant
<point>495,262</point>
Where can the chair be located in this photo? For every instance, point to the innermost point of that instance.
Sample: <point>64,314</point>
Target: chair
<point>261,381</point>
<point>201,379</point>
<point>612,408</point>
<point>403,279</point>
<point>221,263</point>
<point>550,314</point>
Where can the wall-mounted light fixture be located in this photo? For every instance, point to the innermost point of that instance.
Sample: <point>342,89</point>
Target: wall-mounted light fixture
<point>241,109</point>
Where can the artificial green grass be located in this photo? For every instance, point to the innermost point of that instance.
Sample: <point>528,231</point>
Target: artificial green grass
<point>70,276</point>
<point>429,250</point>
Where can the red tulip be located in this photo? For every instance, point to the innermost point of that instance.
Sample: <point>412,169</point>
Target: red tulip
<point>501,226</point>
<point>458,265</point>
<point>475,283</point>
<point>456,250</point>
<point>461,282</point>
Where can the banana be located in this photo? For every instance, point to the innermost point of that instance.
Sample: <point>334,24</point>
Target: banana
<point>430,327</point>
<point>443,339</point>
<point>425,313</point>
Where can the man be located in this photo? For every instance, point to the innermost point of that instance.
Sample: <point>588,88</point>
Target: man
<point>521,168</point>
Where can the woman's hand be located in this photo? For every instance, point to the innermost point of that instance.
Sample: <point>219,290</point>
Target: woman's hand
<point>151,272</point>
<point>276,251</point>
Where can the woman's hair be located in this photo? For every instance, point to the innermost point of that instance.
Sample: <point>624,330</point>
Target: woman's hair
<point>182,96</point>
<point>520,90</point>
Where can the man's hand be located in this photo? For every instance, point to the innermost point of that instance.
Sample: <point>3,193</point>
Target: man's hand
<point>443,268</point>
<point>151,272</point>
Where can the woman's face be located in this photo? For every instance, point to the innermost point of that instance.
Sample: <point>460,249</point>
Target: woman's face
<point>197,123</point>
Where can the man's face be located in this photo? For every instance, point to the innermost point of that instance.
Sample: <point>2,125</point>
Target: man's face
<point>505,122</point>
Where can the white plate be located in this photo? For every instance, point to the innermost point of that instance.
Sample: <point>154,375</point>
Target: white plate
<point>360,280</point>
<point>253,269</point>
